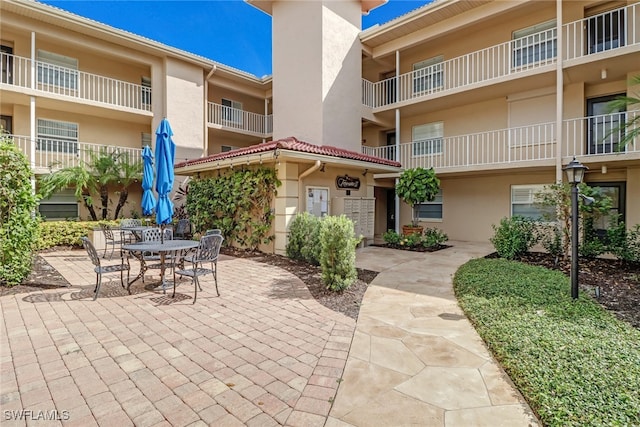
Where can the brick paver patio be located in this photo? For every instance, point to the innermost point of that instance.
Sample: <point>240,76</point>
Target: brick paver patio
<point>263,353</point>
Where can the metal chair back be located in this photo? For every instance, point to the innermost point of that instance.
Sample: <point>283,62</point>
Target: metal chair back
<point>183,229</point>
<point>155,235</point>
<point>209,248</point>
<point>130,222</point>
<point>213,231</point>
<point>91,250</point>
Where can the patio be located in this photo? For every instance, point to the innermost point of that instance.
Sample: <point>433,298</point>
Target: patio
<point>264,353</point>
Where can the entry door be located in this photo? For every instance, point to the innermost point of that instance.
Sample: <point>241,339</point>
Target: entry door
<point>604,129</point>
<point>391,209</point>
<point>6,76</point>
<point>391,146</point>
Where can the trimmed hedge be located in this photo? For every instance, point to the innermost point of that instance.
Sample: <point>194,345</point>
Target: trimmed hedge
<point>63,233</point>
<point>574,362</point>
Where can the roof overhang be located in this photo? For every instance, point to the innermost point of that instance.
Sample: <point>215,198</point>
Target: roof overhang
<point>267,5</point>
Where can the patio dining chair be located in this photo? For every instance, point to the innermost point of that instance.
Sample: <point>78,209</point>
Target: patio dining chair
<point>151,260</point>
<point>109,239</point>
<point>183,229</point>
<point>105,269</point>
<point>128,235</point>
<point>207,251</point>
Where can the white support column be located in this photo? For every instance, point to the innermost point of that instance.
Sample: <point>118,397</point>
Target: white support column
<point>32,139</point>
<point>397,80</point>
<point>397,210</point>
<point>559,91</point>
<point>266,120</point>
<point>33,60</point>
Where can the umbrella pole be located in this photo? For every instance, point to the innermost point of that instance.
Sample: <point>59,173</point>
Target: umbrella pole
<point>161,233</point>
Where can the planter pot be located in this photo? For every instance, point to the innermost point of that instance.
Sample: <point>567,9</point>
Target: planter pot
<point>410,229</point>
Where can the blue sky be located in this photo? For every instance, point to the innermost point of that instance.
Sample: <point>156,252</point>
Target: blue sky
<point>228,31</point>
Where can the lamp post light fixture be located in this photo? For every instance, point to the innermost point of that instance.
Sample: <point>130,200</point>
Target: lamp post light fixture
<point>575,174</point>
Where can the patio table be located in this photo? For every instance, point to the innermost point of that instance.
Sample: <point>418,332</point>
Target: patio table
<point>138,249</point>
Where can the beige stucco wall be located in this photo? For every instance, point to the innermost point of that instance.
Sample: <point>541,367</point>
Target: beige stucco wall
<point>316,70</point>
<point>185,106</point>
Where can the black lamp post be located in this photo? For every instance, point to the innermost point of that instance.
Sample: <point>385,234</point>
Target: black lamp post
<point>575,173</point>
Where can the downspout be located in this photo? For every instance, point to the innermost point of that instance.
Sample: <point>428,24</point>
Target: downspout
<point>559,91</point>
<point>206,110</point>
<point>309,171</point>
<point>397,146</point>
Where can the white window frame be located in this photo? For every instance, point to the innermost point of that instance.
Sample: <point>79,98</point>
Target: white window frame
<point>57,136</point>
<point>428,75</point>
<point>57,70</point>
<point>61,198</point>
<point>146,139</point>
<point>518,197</point>
<point>145,92</point>
<point>438,201</point>
<point>313,196</point>
<point>534,44</point>
<point>232,111</point>
<point>427,139</point>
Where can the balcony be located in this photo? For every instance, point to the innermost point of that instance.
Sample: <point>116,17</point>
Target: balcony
<point>19,72</point>
<point>591,137</point>
<point>241,121</point>
<point>52,154</point>
<point>608,31</point>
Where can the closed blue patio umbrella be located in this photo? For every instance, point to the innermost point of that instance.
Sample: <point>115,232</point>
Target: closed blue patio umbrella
<point>165,155</point>
<point>148,200</point>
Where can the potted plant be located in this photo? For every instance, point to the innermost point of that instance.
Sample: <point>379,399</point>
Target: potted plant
<point>415,186</point>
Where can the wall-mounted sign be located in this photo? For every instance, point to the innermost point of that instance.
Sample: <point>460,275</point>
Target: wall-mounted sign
<point>346,182</point>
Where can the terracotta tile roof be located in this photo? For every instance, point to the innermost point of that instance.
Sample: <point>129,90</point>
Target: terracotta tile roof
<point>291,144</point>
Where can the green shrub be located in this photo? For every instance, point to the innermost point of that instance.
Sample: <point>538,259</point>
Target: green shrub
<point>550,237</point>
<point>18,222</point>
<point>304,238</point>
<point>624,244</point>
<point>412,240</point>
<point>574,362</point>
<point>433,237</point>
<point>64,233</point>
<point>391,237</point>
<point>338,252</point>
<point>513,237</point>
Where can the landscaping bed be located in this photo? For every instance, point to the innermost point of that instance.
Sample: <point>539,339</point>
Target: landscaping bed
<point>574,361</point>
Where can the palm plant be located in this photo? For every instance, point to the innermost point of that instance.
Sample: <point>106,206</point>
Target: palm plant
<point>79,177</point>
<point>629,130</point>
<point>104,167</point>
<point>128,173</point>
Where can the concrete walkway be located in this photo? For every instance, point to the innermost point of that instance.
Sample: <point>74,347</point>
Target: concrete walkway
<point>264,353</point>
<point>415,358</point>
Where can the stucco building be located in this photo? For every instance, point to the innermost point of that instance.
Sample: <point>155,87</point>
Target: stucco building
<point>496,96</point>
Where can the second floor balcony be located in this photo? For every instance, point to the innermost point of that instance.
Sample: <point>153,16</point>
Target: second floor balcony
<point>42,77</point>
<point>611,32</point>
<point>236,120</point>
<point>589,138</point>
<point>47,155</point>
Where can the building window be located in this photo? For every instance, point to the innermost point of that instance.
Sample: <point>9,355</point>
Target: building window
<point>145,82</point>
<point>428,75</point>
<point>427,139</point>
<point>61,205</point>
<point>225,148</point>
<point>523,203</point>
<point>430,211</point>
<point>606,128</point>
<point>605,31</point>
<point>145,139</point>
<point>57,70</point>
<point>6,55</point>
<point>232,111</point>
<point>6,124</point>
<point>57,137</point>
<point>535,44</point>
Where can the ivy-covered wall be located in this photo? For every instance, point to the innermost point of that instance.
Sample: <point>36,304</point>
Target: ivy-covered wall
<point>240,202</point>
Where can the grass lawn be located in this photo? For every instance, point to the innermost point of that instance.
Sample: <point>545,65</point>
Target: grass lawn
<point>574,362</point>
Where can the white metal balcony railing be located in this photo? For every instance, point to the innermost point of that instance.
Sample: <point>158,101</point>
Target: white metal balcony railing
<point>233,118</point>
<point>52,154</point>
<point>587,136</point>
<point>606,31</point>
<point>18,71</point>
